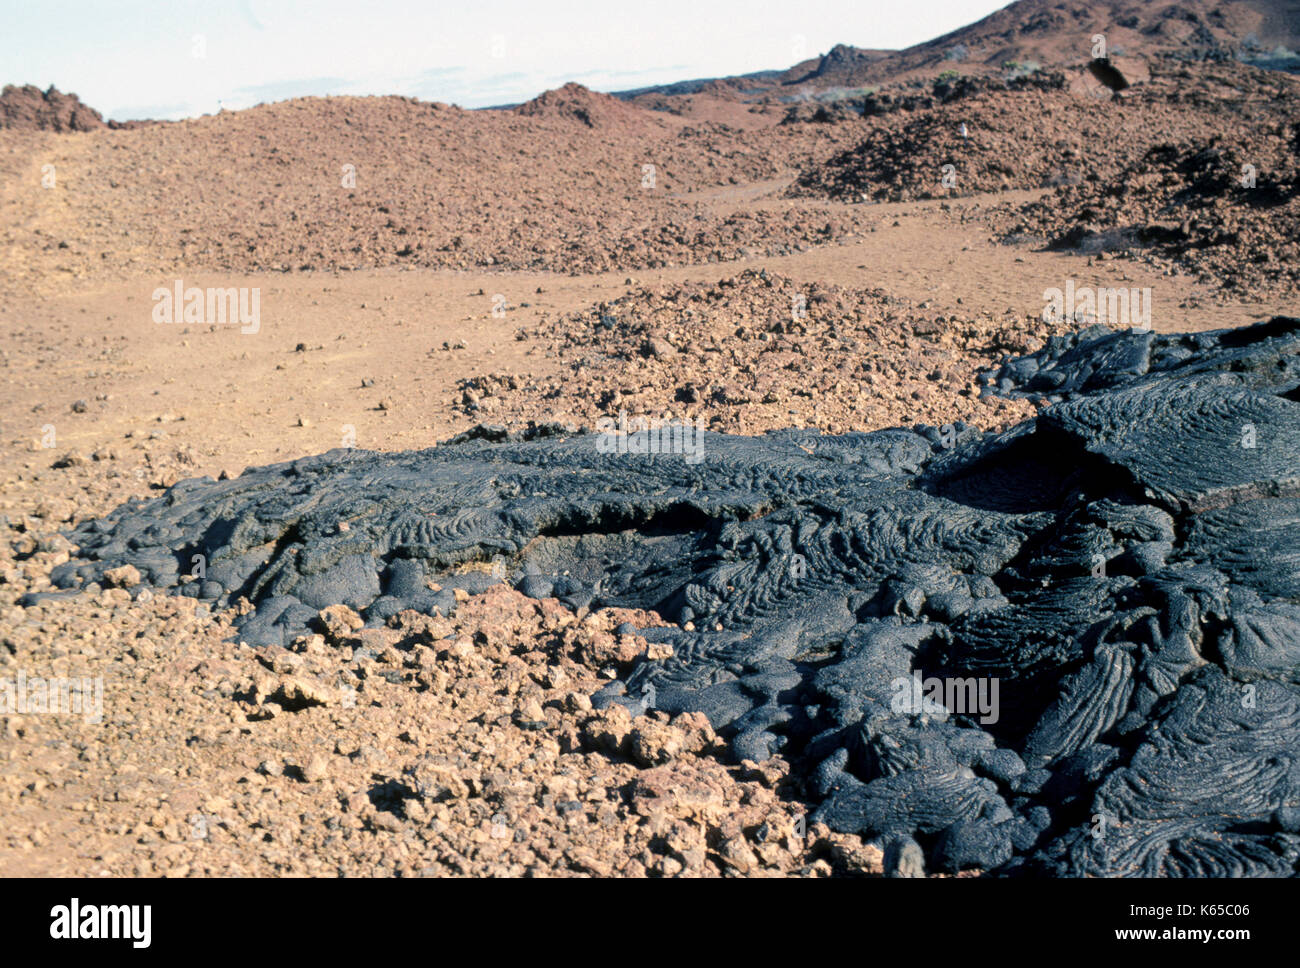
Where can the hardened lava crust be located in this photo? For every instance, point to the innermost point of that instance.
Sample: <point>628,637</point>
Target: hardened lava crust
<point>1118,577</point>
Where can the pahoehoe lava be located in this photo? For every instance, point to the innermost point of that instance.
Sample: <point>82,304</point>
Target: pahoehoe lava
<point>1124,566</point>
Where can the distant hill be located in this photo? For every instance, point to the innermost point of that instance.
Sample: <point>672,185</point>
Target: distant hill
<point>577,103</point>
<point>1060,33</point>
<point>1030,34</point>
<point>842,65</point>
<point>28,108</point>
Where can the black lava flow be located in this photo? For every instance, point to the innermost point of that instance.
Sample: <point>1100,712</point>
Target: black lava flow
<point>1121,574</point>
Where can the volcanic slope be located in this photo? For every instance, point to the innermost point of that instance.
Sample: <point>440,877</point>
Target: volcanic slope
<point>1052,33</point>
<point>1035,132</point>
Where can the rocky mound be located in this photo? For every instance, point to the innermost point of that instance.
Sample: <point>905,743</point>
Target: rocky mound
<point>28,108</point>
<point>1227,209</point>
<point>449,746</point>
<point>917,96</point>
<point>758,352</point>
<point>957,150</point>
<point>1070,648</point>
<point>344,183</point>
<point>577,103</point>
<point>823,112</point>
<point>1030,133</point>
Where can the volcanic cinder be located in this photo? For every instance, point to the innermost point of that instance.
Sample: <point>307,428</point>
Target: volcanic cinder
<point>1112,585</point>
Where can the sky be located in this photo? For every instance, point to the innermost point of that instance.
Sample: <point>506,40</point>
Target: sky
<point>157,59</point>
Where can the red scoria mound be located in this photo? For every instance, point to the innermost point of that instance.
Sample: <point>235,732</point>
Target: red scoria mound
<point>1026,136</point>
<point>758,352</point>
<point>28,108</point>
<point>580,104</point>
<point>1227,210</point>
<point>348,183</point>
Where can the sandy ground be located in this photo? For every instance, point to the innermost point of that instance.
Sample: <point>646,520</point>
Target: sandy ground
<point>291,388</point>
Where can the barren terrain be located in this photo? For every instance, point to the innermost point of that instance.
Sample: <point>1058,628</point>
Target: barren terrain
<point>424,269</point>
